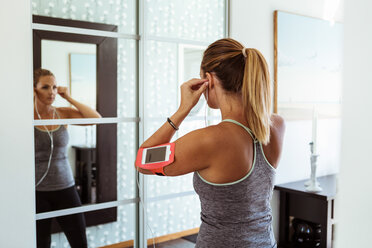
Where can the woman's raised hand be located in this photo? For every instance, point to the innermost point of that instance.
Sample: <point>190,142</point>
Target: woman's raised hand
<point>63,92</point>
<point>191,92</point>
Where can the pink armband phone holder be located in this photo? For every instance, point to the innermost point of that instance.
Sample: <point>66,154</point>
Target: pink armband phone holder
<point>155,167</point>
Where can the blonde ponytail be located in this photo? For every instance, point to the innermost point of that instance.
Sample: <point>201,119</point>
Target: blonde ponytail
<point>256,94</point>
<point>243,70</point>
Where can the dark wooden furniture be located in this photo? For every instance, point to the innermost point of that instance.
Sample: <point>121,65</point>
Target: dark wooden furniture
<point>296,202</point>
<point>106,150</point>
<point>86,173</point>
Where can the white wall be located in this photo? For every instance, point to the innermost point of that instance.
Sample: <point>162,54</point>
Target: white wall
<point>354,214</point>
<point>17,211</point>
<point>251,23</point>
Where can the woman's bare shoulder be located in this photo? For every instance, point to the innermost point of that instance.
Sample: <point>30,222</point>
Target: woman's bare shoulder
<point>66,112</point>
<point>277,122</point>
<point>211,137</point>
<point>277,130</point>
<point>212,133</point>
<point>63,112</point>
<point>194,151</point>
<point>274,148</point>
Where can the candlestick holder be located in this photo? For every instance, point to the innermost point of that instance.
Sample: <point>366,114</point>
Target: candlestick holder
<point>313,185</point>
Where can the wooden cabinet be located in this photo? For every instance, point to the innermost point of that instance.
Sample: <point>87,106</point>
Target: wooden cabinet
<point>86,173</point>
<point>296,202</point>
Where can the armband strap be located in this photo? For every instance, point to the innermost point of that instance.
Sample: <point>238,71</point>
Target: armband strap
<point>159,172</point>
<point>156,168</point>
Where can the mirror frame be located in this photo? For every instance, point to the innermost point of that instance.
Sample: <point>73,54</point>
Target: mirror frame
<point>106,139</point>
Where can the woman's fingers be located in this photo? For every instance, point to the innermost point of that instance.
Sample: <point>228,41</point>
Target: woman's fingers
<point>60,90</point>
<point>203,87</point>
<point>63,91</point>
<point>195,83</point>
<point>191,92</point>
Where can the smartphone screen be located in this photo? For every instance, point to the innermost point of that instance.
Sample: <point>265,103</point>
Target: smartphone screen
<point>156,154</point>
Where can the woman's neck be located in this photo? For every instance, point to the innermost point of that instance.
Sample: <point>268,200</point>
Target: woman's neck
<point>231,107</point>
<point>43,109</point>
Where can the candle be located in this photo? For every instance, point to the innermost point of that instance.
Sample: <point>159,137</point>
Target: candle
<point>314,130</point>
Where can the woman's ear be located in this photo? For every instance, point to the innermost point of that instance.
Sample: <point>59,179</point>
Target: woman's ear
<point>35,94</point>
<point>210,79</point>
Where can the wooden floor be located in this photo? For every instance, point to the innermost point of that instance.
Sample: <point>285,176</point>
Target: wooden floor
<point>177,243</point>
<point>177,240</point>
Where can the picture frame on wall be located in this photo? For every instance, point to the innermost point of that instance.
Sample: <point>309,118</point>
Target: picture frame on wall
<point>83,82</point>
<point>307,66</point>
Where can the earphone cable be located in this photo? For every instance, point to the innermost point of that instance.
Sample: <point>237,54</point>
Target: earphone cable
<point>206,108</point>
<point>50,134</point>
<point>144,212</point>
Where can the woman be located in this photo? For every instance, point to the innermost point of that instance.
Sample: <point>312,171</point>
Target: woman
<point>55,186</point>
<point>233,162</point>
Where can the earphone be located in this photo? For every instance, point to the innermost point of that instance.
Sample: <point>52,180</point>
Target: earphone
<point>50,134</point>
<point>206,107</point>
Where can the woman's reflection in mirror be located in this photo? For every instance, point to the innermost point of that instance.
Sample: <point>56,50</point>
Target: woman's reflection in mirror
<point>55,185</point>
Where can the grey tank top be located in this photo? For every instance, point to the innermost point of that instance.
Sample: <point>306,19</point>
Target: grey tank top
<point>238,214</point>
<point>60,174</point>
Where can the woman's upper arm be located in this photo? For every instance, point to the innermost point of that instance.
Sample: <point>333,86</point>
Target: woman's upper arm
<point>192,153</point>
<point>273,150</point>
<point>69,112</point>
<point>278,125</point>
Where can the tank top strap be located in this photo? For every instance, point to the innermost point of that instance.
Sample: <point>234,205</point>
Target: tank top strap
<point>246,128</point>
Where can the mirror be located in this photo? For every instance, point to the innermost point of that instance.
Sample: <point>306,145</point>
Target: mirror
<point>87,65</point>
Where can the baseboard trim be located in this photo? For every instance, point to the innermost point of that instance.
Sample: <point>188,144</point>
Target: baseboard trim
<point>173,236</point>
<point>160,239</point>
